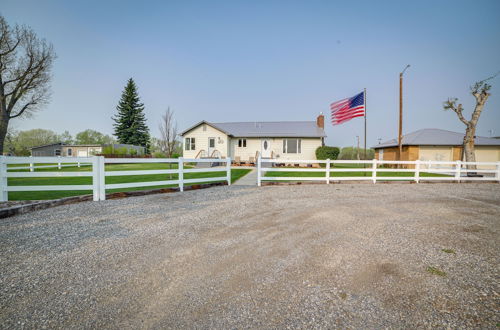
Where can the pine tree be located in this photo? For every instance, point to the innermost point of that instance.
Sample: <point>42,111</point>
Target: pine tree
<point>130,123</point>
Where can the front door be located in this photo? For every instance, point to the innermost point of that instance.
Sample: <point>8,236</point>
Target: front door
<point>211,146</point>
<point>265,148</point>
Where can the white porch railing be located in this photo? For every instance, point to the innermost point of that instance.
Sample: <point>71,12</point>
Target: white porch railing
<point>98,173</point>
<point>451,171</point>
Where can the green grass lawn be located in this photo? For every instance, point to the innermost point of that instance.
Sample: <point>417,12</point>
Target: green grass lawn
<point>39,195</point>
<point>349,174</point>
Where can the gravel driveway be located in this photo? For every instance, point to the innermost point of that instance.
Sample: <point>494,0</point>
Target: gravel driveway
<point>322,256</point>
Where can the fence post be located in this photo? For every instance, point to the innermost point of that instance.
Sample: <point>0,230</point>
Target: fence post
<point>59,163</point>
<point>102,178</point>
<point>417,170</point>
<point>180,168</point>
<point>32,165</point>
<point>328,171</point>
<point>374,171</point>
<point>95,178</point>
<point>4,194</point>
<point>498,172</point>
<point>228,170</point>
<point>458,168</point>
<point>258,172</point>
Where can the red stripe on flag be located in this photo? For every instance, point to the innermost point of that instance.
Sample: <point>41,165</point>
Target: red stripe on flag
<point>343,121</point>
<point>347,110</point>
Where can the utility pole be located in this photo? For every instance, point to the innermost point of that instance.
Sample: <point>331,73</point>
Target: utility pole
<point>400,134</point>
<point>357,149</point>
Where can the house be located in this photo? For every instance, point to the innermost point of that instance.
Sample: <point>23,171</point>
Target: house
<point>247,140</point>
<point>438,145</point>
<point>78,150</point>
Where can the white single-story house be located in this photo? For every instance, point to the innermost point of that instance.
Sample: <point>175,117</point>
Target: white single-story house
<point>245,141</point>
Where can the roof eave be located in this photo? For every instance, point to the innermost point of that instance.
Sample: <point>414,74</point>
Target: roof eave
<point>203,122</point>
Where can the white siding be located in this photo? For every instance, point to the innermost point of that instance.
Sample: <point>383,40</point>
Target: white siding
<point>308,148</point>
<point>487,154</point>
<point>437,153</point>
<point>201,140</point>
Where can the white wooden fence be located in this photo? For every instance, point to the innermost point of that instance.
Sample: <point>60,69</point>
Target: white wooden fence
<point>451,171</point>
<point>98,173</point>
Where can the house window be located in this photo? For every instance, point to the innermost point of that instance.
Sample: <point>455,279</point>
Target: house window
<point>70,152</point>
<point>189,144</point>
<point>94,151</point>
<point>242,143</point>
<point>292,146</point>
<point>57,152</point>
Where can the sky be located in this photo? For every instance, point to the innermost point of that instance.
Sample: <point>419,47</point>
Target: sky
<point>227,61</point>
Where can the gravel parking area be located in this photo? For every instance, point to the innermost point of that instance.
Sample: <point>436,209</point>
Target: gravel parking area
<point>320,256</point>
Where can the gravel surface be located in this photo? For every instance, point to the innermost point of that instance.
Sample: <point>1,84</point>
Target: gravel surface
<point>308,256</point>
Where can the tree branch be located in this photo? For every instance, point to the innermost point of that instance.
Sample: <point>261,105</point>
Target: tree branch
<point>451,104</point>
<point>23,109</point>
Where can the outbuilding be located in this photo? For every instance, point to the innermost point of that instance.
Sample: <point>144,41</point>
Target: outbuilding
<point>437,145</point>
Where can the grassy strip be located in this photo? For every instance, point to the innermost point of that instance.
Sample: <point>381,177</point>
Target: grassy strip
<point>42,195</point>
<point>349,174</point>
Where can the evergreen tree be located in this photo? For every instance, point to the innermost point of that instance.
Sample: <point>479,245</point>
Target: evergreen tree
<point>130,123</point>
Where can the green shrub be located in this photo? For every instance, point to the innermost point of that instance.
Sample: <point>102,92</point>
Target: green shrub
<point>327,152</point>
<point>159,154</point>
<point>175,155</point>
<point>121,151</point>
<point>132,152</point>
<point>108,150</point>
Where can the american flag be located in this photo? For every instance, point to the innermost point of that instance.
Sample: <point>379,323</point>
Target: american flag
<point>347,109</point>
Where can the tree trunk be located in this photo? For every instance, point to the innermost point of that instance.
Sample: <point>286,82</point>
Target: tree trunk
<point>470,155</point>
<point>4,123</point>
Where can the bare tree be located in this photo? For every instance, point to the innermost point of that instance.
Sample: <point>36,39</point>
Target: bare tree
<point>25,65</point>
<point>480,92</point>
<point>168,131</point>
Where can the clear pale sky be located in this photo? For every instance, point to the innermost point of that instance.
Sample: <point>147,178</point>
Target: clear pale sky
<point>266,61</point>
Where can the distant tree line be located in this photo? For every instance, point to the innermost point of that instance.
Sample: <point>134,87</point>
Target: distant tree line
<point>18,143</point>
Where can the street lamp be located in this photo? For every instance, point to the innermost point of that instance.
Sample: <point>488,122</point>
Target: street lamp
<point>400,135</point>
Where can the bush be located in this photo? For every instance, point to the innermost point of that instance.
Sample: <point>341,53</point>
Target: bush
<point>174,155</point>
<point>327,152</point>
<point>159,154</point>
<point>108,150</point>
<point>133,152</point>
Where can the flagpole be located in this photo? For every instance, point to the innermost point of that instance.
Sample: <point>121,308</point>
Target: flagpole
<point>365,120</point>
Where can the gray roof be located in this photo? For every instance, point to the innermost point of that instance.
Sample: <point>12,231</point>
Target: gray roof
<point>48,145</point>
<point>267,129</point>
<point>436,137</point>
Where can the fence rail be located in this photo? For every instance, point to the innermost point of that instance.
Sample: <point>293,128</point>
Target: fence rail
<point>98,173</point>
<point>454,171</point>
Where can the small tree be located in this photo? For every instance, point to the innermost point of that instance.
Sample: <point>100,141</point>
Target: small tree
<point>168,131</point>
<point>25,65</point>
<point>19,143</point>
<point>66,137</point>
<point>480,92</point>
<point>130,123</point>
<point>90,136</point>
